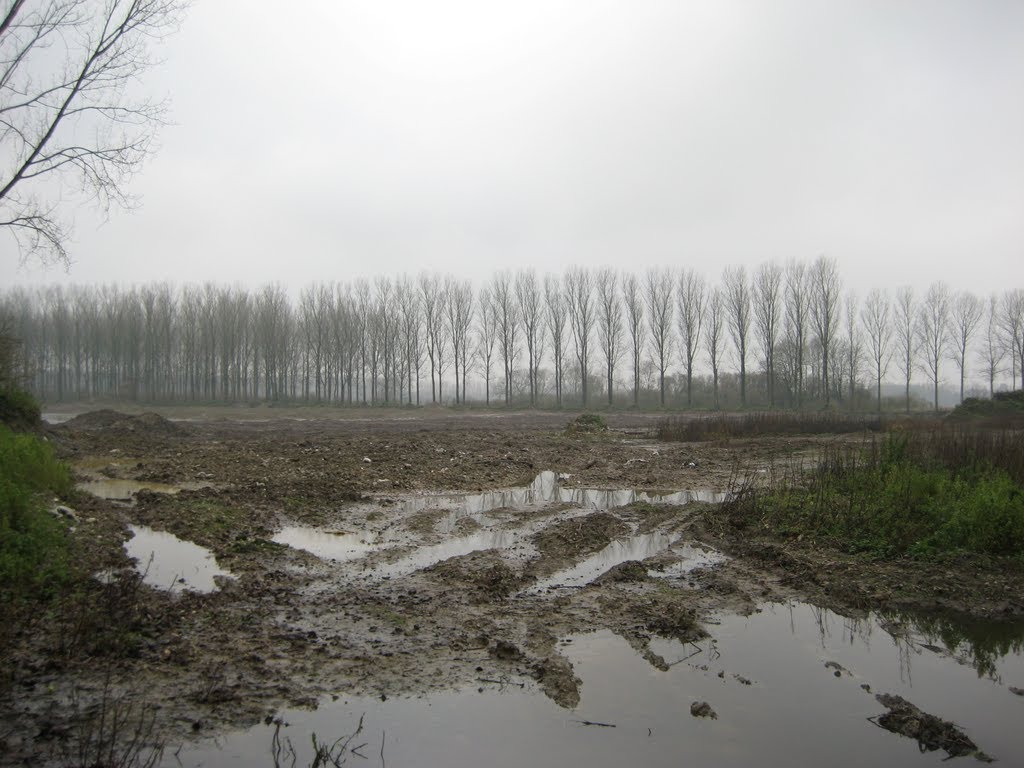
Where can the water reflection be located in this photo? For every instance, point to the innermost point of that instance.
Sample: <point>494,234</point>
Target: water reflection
<point>329,545</point>
<point>632,548</point>
<point>124,490</point>
<point>424,557</point>
<point>167,562</point>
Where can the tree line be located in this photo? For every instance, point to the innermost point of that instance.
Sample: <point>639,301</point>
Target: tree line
<point>776,336</point>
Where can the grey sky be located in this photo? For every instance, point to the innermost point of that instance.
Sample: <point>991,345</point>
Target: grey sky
<point>339,139</point>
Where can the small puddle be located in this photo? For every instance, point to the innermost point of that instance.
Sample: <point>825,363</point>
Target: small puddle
<point>508,541</point>
<point>329,545</point>
<point>778,705</point>
<point>691,557</point>
<point>167,562</point>
<point>638,547</point>
<point>124,490</point>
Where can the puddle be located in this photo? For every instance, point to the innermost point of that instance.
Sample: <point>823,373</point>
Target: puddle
<point>508,541</point>
<point>632,548</point>
<point>794,711</point>
<point>546,488</point>
<point>57,418</point>
<point>691,557</point>
<point>329,545</point>
<point>125,490</point>
<point>167,562</point>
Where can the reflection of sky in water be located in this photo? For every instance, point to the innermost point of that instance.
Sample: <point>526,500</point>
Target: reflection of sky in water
<point>327,544</point>
<point>164,560</point>
<point>795,712</point>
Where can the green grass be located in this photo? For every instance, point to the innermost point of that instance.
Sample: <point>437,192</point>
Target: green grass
<point>916,494</point>
<point>33,543</point>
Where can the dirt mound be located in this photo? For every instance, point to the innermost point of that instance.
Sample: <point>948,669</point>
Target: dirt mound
<point>484,573</point>
<point>113,421</point>
<point>1004,409</point>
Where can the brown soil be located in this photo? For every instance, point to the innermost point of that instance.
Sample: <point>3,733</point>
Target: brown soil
<point>292,627</point>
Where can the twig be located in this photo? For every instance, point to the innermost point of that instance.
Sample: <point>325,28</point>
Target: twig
<point>592,722</point>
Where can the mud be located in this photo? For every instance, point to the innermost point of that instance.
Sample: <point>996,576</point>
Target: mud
<point>464,551</point>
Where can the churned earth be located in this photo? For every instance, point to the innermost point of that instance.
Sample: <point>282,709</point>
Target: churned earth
<point>394,553</point>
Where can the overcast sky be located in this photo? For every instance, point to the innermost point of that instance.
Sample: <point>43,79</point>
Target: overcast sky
<point>325,140</point>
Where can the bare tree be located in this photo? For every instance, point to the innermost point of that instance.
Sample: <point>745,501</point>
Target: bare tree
<point>528,296</point>
<point>933,330</point>
<point>658,297</point>
<point>966,311</point>
<point>487,334</point>
<point>768,318</point>
<point>736,292</point>
<point>875,317</point>
<point>458,309</point>
<point>433,328</point>
<point>853,346</point>
<point>411,321</point>
<point>634,303</point>
<point>1013,328</point>
<point>507,312</point>
<point>797,293</point>
<point>994,350</point>
<point>609,322</point>
<point>556,311</point>
<point>714,336</point>
<point>579,293</point>
<point>825,293</point>
<point>905,327</point>
<point>66,67</point>
<point>691,298</point>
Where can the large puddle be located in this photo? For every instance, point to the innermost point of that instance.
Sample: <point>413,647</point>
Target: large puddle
<point>124,490</point>
<point>167,562</point>
<point>777,702</point>
<point>329,545</point>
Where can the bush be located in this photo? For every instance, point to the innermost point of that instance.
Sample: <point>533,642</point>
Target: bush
<point>33,544</point>
<point>18,409</point>
<point>587,422</point>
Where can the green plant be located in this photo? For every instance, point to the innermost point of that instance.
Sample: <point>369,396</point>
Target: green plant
<point>587,422</point>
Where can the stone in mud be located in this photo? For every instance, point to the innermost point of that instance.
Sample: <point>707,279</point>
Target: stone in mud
<point>703,709</point>
<point>628,571</point>
<point>506,651</point>
<point>1016,691</point>
<point>931,732</point>
<point>556,678</point>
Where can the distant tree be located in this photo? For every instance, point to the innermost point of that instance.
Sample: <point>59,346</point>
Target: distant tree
<point>530,301</point>
<point>797,299</point>
<point>633,300</point>
<point>507,312</point>
<point>825,287</point>
<point>853,346</point>
<point>737,295</point>
<point>66,110</point>
<point>433,328</point>
<point>768,318</point>
<point>933,332</point>
<point>658,297</point>
<point>555,314</point>
<point>1013,329</point>
<point>875,317</point>
<point>713,338</point>
<point>691,298</point>
<point>487,334</point>
<point>458,309</point>
<point>966,311</point>
<point>579,293</point>
<point>609,322</point>
<point>905,327</point>
<point>994,348</point>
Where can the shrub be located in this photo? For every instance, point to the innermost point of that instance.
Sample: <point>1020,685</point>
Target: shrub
<point>587,422</point>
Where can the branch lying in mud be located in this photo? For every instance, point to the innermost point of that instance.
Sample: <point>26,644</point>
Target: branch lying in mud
<point>592,722</point>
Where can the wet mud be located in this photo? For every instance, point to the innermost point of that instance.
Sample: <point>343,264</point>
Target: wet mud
<point>411,558</point>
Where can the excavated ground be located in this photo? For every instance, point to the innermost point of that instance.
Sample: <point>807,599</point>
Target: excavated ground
<point>435,594</point>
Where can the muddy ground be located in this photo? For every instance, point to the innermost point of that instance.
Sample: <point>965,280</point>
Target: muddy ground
<point>290,627</point>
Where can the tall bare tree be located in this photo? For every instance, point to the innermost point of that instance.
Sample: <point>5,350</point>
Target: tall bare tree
<point>797,299</point>
<point>714,336</point>
<point>67,116</point>
<point>433,328</point>
<point>853,346</point>
<point>507,312</point>
<point>1012,311</point>
<point>966,311</point>
<point>609,322</point>
<point>737,295</point>
<point>994,348</point>
<point>691,300</point>
<point>556,310</point>
<point>458,308</point>
<point>487,335</point>
<point>529,298</point>
<point>933,330</point>
<point>825,286</point>
<point>632,296</point>
<point>875,317</point>
<point>905,327</point>
<point>579,294</point>
<point>768,318</point>
<point>658,298</point>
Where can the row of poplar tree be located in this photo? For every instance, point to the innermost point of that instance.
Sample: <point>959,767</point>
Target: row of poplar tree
<point>778,336</point>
